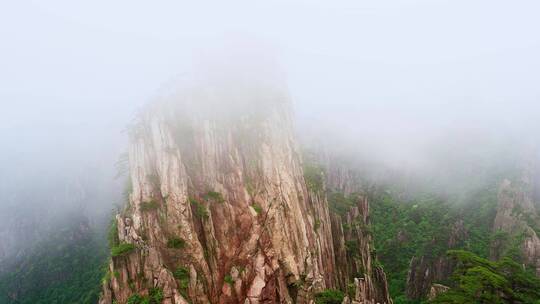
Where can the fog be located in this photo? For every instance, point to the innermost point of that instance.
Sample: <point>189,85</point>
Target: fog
<point>416,86</point>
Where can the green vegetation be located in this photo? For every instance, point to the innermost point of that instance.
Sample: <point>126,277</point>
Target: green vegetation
<point>228,279</point>
<point>422,226</point>
<point>257,208</point>
<point>135,299</point>
<point>199,209</point>
<point>155,296</point>
<point>340,204</point>
<point>214,196</point>
<point>329,296</point>
<point>402,299</point>
<point>176,243</point>
<point>477,280</point>
<point>112,234</point>
<point>352,248</point>
<point>182,275</point>
<point>314,177</point>
<point>148,206</point>
<point>532,221</point>
<point>106,278</point>
<point>317,225</point>
<point>122,249</point>
<point>64,267</point>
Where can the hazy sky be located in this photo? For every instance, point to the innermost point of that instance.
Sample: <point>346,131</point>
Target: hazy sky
<point>388,75</point>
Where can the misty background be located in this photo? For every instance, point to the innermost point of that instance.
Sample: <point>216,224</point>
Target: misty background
<point>413,86</point>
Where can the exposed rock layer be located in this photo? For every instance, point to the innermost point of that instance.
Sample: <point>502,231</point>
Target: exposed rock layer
<point>436,290</point>
<point>223,199</point>
<point>517,219</point>
<point>424,271</point>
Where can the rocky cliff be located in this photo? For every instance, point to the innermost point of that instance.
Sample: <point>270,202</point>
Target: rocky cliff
<point>353,236</point>
<point>358,259</point>
<point>517,223</point>
<point>514,232</point>
<point>220,211</point>
<point>425,271</point>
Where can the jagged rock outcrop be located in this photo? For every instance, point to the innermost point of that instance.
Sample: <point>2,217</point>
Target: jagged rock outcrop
<point>363,293</point>
<point>219,210</point>
<point>517,223</point>
<point>515,226</point>
<point>357,258</point>
<point>356,255</point>
<point>425,271</point>
<point>436,290</point>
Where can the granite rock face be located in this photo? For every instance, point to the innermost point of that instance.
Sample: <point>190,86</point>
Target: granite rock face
<point>220,211</point>
<point>517,218</point>
<point>516,225</point>
<point>436,290</point>
<point>356,258</point>
<point>425,271</point>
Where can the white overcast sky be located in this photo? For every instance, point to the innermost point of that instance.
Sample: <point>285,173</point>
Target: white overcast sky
<point>72,73</point>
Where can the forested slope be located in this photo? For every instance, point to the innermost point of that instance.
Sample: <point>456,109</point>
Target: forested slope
<point>64,267</point>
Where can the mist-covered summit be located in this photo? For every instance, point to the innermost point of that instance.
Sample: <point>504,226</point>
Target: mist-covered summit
<point>221,210</point>
<point>403,139</point>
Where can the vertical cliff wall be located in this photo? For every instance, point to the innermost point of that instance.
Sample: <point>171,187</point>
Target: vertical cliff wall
<point>426,271</point>
<point>358,258</point>
<point>517,223</point>
<point>356,255</point>
<point>219,210</point>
